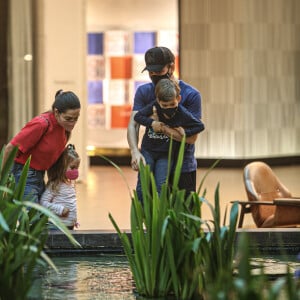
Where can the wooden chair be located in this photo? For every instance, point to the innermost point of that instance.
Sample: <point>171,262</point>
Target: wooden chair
<point>269,201</point>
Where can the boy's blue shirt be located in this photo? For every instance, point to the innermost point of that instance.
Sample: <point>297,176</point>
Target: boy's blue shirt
<point>190,100</point>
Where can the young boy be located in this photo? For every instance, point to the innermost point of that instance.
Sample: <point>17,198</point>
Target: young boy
<point>163,112</point>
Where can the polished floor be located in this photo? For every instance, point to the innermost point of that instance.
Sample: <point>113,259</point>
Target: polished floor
<point>107,190</point>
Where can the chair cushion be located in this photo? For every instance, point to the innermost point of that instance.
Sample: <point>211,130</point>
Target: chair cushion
<point>261,213</point>
<point>287,215</point>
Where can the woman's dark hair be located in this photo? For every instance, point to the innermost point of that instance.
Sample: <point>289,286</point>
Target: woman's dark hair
<point>65,101</point>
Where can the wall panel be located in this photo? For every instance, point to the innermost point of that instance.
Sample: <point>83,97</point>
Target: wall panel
<point>243,56</point>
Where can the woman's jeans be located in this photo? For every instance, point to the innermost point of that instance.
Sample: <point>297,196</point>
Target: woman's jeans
<point>35,184</point>
<point>158,163</point>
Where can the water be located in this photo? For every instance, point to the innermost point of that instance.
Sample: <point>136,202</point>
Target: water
<point>85,278</point>
<point>108,277</point>
<point>274,266</point>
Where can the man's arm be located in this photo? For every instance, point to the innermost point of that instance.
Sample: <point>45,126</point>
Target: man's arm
<point>177,134</point>
<point>133,139</point>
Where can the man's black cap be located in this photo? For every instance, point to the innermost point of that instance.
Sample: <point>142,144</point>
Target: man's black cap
<point>156,58</point>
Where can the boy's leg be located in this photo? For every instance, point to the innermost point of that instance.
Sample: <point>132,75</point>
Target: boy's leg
<point>161,172</point>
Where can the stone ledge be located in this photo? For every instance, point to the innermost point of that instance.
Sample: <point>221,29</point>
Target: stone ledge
<point>274,240</point>
<point>266,241</point>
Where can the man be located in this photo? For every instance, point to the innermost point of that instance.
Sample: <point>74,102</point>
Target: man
<point>160,63</point>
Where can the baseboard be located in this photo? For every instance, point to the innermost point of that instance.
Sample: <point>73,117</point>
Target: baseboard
<point>124,160</point>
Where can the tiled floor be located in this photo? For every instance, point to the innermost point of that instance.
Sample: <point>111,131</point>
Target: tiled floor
<point>106,190</point>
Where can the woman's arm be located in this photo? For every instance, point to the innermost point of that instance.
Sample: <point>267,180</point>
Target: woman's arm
<point>8,149</point>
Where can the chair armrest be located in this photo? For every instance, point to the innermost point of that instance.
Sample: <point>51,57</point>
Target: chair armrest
<point>246,208</point>
<point>244,203</point>
<point>287,201</point>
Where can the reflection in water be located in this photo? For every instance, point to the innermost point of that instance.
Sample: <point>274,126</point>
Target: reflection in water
<point>85,278</point>
<point>108,277</point>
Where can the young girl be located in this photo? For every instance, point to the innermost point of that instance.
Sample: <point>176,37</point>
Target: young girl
<point>60,193</point>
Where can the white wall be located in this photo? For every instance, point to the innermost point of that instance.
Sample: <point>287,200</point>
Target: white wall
<point>62,26</point>
<point>62,60</point>
<point>132,14</point>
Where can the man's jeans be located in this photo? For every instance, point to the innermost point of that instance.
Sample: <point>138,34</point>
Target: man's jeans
<point>158,163</point>
<point>35,184</point>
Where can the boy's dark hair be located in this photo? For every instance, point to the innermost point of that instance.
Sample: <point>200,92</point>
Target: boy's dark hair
<point>167,89</point>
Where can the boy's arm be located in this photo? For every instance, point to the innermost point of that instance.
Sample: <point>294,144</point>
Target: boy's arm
<point>144,116</point>
<point>148,117</point>
<point>176,134</point>
<point>190,129</point>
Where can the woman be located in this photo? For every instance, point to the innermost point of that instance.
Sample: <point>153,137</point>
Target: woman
<point>44,139</point>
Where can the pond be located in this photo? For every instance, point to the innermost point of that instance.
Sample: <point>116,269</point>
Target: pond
<point>85,278</point>
<point>108,277</point>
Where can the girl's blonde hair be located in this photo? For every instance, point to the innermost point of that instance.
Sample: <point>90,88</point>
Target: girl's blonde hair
<point>56,173</point>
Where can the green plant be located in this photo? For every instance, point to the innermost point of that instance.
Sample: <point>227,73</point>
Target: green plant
<point>147,258</point>
<point>175,252</point>
<point>23,233</point>
<point>164,234</point>
<point>169,245</point>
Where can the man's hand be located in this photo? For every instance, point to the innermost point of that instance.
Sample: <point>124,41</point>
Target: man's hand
<point>180,130</point>
<point>178,133</point>
<point>136,157</point>
<point>157,126</point>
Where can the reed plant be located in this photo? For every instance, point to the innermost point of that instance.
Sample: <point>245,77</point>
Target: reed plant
<point>169,243</point>
<point>147,256</point>
<point>23,233</point>
<point>174,253</point>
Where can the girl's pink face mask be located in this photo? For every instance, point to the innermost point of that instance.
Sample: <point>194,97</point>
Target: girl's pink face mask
<point>72,174</point>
